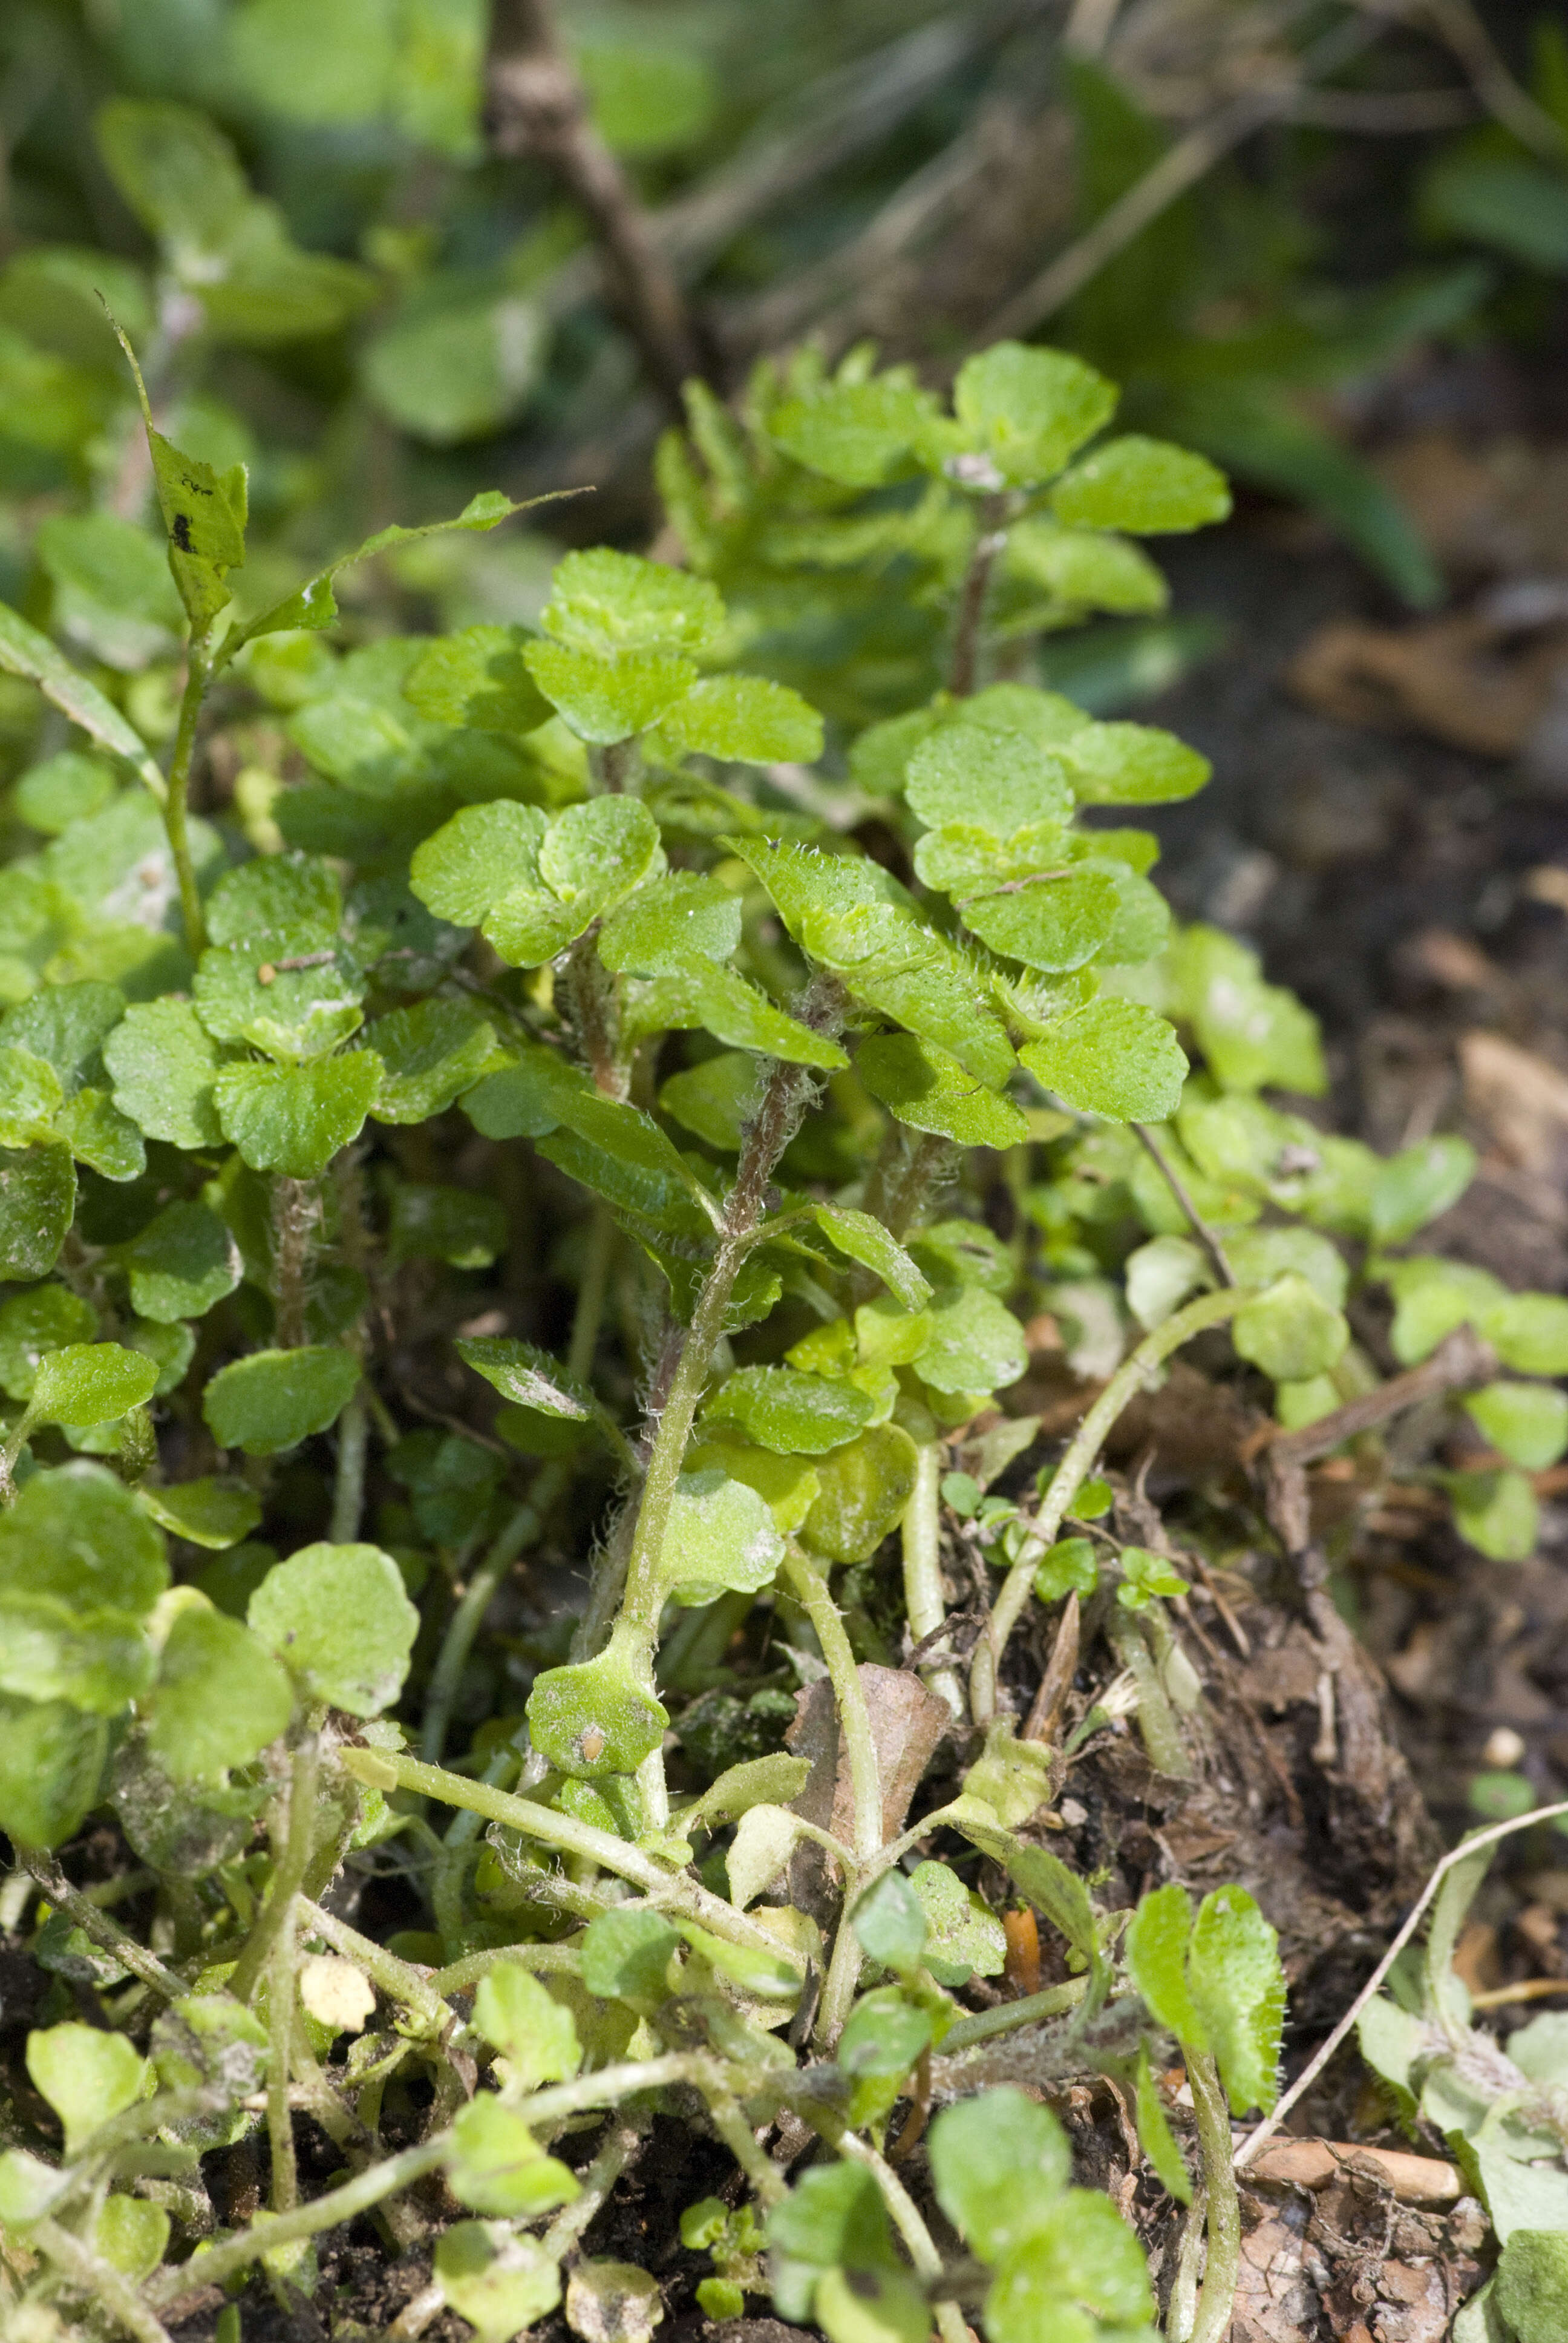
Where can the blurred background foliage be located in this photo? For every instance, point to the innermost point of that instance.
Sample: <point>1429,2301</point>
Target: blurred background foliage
<point>341,267</point>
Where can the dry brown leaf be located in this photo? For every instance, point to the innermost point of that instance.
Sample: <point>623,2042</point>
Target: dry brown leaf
<point>1451,677</point>
<point>1521,1099</point>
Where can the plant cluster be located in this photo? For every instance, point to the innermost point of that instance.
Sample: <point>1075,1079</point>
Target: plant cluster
<point>567,912</point>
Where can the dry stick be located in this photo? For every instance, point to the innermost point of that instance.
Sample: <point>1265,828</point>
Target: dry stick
<point>1459,1361</point>
<point>1309,2074</point>
<point>1179,169</point>
<point>1457,23</point>
<point>1195,1221</point>
<point>964,671</point>
<point>537,104</point>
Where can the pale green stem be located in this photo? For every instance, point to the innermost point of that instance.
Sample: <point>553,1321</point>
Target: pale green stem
<point>597,2183</point>
<point>400,1980</point>
<point>768,2183</point>
<point>810,1590</point>
<point>348,1489</point>
<point>198,673</point>
<point>925,1605</point>
<point>911,2225</point>
<point>385,1770</point>
<point>355,2196</point>
<point>1218,2299</point>
<point>1156,1718</point>
<point>543,1960</point>
<point>1207,1310</point>
<point>281,2059</point>
<point>1032,2010</point>
<point>106,1934</point>
<point>527,1524</point>
<point>289,1863</point>
<point>100,2280</point>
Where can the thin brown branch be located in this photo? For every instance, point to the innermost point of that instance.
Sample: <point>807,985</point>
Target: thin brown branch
<point>536,104</point>
<point>1460,1361</point>
<point>1205,1235</point>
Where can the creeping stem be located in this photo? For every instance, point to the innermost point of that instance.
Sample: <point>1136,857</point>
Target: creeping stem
<point>290,1863</point>
<point>925,1605</point>
<point>1217,2298</point>
<point>1207,1310</point>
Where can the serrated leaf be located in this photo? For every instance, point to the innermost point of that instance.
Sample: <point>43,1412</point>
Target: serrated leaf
<point>744,718</point>
<point>1112,1057</point>
<point>337,1615</point>
<point>163,1063</point>
<point>859,433</point>
<point>429,1055</point>
<point>661,930</point>
<point>313,604</point>
<point>209,1512</point>
<point>603,599</point>
<point>496,2165</point>
<point>1143,486</point>
<point>1030,410</point>
<point>476,677</point>
<point>294,1119</point>
<point>1239,1989</point>
<point>609,695</point>
<point>38,1198</point>
<point>722,1002</point>
<point>274,1399</point>
<point>1001,782</point>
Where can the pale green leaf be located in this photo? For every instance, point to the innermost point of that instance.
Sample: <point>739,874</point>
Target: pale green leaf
<point>339,1619</point>
<point>793,1414</point>
<point>219,1699</point>
<point>274,1399</point>
<point>609,695</point>
<point>1112,1057</point>
<point>1030,410</point>
<point>1145,485</point>
<point>294,1119</point>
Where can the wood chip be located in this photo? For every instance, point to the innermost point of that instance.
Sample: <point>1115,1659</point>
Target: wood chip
<point>1313,2163</point>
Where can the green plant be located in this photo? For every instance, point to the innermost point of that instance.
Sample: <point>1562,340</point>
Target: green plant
<point>576,892</point>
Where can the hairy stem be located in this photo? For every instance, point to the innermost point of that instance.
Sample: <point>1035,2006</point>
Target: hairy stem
<point>280,1966</point>
<point>100,2280</point>
<point>106,1934</point>
<point>1008,2014</point>
<point>968,621</point>
<point>909,2223</point>
<point>198,675</point>
<point>397,1979</point>
<point>295,1210</point>
<point>290,1862</point>
<point>925,1605</point>
<point>1222,2269</point>
<point>348,1487</point>
<point>526,1524</point>
<point>1207,1310</point>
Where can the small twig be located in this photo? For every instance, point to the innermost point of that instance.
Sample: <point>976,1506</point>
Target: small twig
<point>1056,1680</point>
<point>1199,1227</point>
<point>964,671</point>
<point>96,1924</point>
<point>1461,1360</point>
<point>537,104</point>
<point>1529,1989</point>
<point>1457,23</point>
<point>1310,2073</point>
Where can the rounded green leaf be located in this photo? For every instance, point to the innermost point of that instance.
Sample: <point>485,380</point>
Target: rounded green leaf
<point>609,695</point>
<point>714,1099</point>
<point>595,853</point>
<point>1132,764</point>
<point>596,1716</point>
<point>1496,1512</point>
<point>1113,1058</point>
<point>1527,1421</point>
<point>1030,410</point>
<point>745,718</point>
<point>208,1513</point>
<point>862,1490</point>
<point>965,1938</point>
<point>476,859</point>
<point>338,1616</point>
<point>975,1343</point>
<point>97,1660</point>
<point>1000,2163</point>
<point>1143,486</point>
<point>496,2165</point>
<point>534,2033</point>
<point>294,1119</point>
<point>928,1089</point>
<point>218,1700</point>
<point>37,1198</point>
<point>51,1766</point>
<point>793,1414</point>
<point>1417,1185</point>
<point>429,1055</point>
<point>1290,1331</point>
<point>274,1399</point>
<point>42,1318</point>
<point>1056,922</point>
<point>1532,2285</point>
<point>999,781</point>
<point>622,601</point>
<point>499,2282</point>
<point>1070,1568</point>
<point>78,1534</point>
<point>163,1063</point>
<point>87,2074</point>
<point>626,1954</point>
<point>663,928</point>
<point>181,1263</point>
<point>1083,2254</point>
<point>890,1920</point>
<point>859,433</point>
<point>90,1382</point>
<point>1239,1987</point>
<point>720,1537</point>
<point>131,2235</point>
<point>1529,1333</point>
